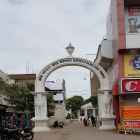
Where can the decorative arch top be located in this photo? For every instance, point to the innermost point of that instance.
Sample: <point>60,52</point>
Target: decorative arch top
<point>71,61</point>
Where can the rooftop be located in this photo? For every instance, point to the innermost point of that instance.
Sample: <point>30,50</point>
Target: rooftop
<point>22,76</point>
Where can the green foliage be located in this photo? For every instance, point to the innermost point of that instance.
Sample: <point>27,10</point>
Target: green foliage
<point>3,87</point>
<point>50,99</point>
<point>31,86</point>
<point>50,104</point>
<point>20,97</point>
<point>93,100</point>
<point>74,103</point>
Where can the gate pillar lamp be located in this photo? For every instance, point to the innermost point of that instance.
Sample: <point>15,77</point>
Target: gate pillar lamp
<point>70,49</point>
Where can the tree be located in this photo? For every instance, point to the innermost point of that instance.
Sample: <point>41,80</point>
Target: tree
<point>50,105</point>
<point>74,103</point>
<point>20,97</point>
<point>93,100</point>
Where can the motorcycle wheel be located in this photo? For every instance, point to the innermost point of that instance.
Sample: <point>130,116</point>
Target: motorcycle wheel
<point>16,138</point>
<point>21,138</point>
<point>29,137</point>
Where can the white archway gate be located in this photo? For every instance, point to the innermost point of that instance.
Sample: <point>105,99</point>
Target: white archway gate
<point>105,109</point>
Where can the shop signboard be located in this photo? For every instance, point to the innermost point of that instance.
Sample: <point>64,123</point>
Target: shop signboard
<point>136,62</point>
<point>132,124</point>
<point>132,65</point>
<point>130,86</point>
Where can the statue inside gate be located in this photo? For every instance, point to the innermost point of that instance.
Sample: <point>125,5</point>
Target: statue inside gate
<point>107,100</point>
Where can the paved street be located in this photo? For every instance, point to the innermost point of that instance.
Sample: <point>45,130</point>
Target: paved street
<point>75,131</point>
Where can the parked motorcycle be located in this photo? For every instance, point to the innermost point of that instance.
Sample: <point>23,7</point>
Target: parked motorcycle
<point>58,124</point>
<point>10,134</point>
<point>61,124</point>
<point>26,134</point>
<point>16,134</point>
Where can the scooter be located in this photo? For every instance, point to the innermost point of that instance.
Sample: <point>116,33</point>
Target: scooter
<point>16,134</point>
<point>58,124</point>
<point>61,124</point>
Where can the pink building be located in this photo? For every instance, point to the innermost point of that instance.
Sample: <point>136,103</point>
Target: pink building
<point>119,55</point>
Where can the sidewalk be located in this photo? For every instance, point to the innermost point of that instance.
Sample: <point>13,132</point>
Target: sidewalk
<point>76,131</point>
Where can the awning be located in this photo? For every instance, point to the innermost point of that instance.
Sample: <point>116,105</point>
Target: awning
<point>3,107</point>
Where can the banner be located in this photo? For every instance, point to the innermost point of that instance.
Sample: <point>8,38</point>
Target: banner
<point>132,65</point>
<point>133,20</point>
<point>130,86</point>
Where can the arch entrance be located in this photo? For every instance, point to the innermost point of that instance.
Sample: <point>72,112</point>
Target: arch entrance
<point>105,109</point>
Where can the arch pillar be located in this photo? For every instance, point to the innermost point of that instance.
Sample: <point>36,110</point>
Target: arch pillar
<point>40,104</point>
<point>105,110</point>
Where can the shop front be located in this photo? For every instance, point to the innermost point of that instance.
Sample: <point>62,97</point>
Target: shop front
<point>126,91</point>
<point>12,120</point>
<point>129,102</point>
<point>2,116</point>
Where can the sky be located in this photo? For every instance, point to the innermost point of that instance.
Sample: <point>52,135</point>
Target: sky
<point>77,80</point>
<point>34,33</point>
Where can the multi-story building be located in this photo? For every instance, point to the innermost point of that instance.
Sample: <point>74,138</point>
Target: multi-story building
<point>119,55</point>
<point>24,80</point>
<point>94,83</point>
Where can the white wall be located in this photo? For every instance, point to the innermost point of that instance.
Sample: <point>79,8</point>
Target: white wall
<point>106,49</point>
<point>133,40</point>
<point>58,97</point>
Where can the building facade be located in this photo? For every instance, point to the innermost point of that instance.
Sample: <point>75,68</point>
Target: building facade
<point>119,55</point>
<point>24,80</point>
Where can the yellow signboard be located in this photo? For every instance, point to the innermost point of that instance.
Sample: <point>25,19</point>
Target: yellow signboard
<point>132,65</point>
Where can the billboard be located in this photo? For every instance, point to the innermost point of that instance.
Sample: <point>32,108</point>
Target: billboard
<point>132,65</point>
<point>54,85</point>
<point>130,86</point>
<point>132,18</point>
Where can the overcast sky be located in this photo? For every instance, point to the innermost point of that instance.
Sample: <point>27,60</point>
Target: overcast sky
<point>34,33</point>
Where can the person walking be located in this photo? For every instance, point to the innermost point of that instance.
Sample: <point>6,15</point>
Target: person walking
<point>85,121</point>
<point>93,121</point>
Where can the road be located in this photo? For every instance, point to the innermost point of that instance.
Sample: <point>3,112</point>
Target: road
<point>76,131</point>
